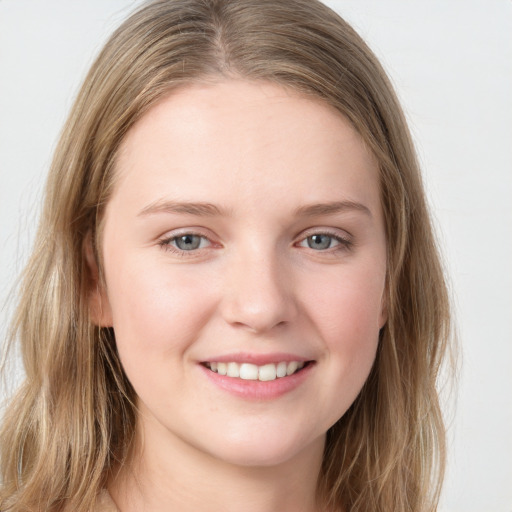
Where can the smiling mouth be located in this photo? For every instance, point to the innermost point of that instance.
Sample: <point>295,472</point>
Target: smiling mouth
<point>248,371</point>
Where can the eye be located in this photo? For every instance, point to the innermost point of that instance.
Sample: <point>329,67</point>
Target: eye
<point>186,242</point>
<point>320,242</point>
<point>324,241</point>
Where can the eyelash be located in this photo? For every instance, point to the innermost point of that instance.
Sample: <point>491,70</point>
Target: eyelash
<point>165,243</point>
<point>344,244</point>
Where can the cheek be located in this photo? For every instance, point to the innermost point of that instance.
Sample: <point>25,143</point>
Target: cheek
<point>346,311</point>
<point>154,310</point>
<point>349,302</point>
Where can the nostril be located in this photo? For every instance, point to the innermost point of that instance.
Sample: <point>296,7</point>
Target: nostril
<point>258,301</point>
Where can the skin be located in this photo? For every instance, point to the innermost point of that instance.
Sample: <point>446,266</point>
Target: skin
<point>259,153</point>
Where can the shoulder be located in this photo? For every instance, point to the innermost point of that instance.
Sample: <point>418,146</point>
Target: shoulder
<point>104,503</point>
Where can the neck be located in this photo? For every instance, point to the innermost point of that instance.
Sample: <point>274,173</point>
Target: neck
<point>166,473</point>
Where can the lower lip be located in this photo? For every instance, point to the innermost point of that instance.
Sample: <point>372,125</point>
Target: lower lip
<point>256,389</point>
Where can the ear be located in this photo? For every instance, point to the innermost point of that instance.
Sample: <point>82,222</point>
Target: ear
<point>383,317</point>
<point>99,306</point>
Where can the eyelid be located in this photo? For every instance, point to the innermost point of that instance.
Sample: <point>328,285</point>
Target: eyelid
<point>334,232</point>
<point>344,238</point>
<point>165,241</point>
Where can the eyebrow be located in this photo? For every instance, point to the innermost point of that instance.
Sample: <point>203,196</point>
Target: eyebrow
<point>198,209</point>
<point>331,208</point>
<point>203,209</point>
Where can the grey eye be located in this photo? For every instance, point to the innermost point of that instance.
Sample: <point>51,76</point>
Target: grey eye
<point>320,242</point>
<point>188,242</point>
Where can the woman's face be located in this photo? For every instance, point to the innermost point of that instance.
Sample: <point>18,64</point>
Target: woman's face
<point>245,235</point>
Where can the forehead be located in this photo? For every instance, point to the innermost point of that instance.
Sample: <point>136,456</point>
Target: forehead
<point>245,140</point>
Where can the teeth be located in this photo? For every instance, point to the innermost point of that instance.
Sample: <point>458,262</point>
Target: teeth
<point>267,372</point>
<point>233,370</point>
<point>281,369</point>
<point>249,371</point>
<point>292,366</point>
<point>222,368</point>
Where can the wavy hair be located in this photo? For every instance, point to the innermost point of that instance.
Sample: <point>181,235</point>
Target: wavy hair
<point>73,419</point>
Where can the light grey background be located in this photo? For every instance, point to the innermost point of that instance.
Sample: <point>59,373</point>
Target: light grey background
<point>451,62</point>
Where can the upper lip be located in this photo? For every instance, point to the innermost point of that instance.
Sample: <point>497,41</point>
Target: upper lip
<point>257,359</point>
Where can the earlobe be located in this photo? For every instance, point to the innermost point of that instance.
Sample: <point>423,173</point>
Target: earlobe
<point>99,305</point>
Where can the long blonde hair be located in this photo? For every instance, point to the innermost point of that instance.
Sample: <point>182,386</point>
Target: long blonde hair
<point>72,421</point>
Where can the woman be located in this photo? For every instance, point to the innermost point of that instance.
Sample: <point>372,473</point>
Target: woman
<point>235,298</point>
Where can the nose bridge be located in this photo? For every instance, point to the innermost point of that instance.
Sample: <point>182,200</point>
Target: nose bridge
<point>258,291</point>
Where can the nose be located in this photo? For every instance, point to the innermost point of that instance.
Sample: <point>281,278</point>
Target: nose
<point>258,292</point>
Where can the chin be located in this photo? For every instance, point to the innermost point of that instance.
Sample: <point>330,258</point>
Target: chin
<point>267,450</point>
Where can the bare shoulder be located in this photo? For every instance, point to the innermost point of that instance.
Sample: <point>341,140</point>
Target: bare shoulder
<point>104,503</point>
